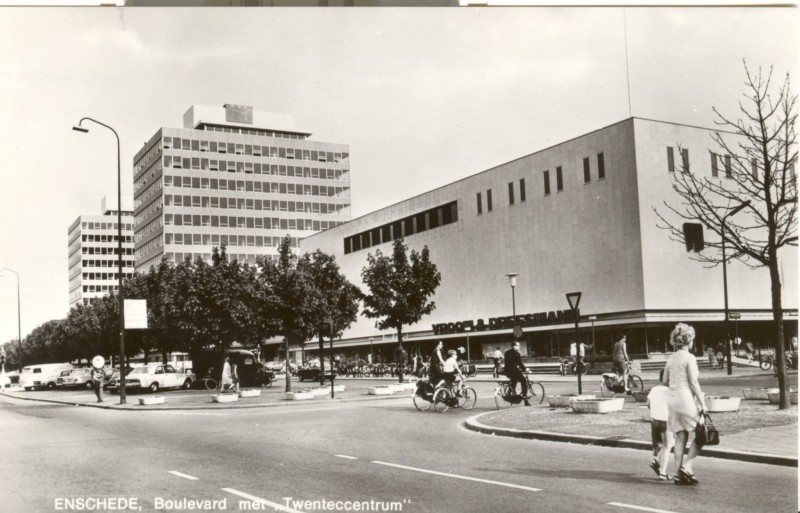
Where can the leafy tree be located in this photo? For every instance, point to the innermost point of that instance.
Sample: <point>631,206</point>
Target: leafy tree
<point>763,154</point>
<point>399,290</point>
<point>332,301</point>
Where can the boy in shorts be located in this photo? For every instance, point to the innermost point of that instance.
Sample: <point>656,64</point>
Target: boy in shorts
<point>663,440</point>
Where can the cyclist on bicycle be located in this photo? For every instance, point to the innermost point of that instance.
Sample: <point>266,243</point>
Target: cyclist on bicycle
<point>515,370</point>
<point>620,358</point>
<point>452,374</point>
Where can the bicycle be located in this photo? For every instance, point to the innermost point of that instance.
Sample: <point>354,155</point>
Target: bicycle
<point>506,397</point>
<point>454,396</point>
<point>423,395</point>
<point>571,366</point>
<point>611,384</point>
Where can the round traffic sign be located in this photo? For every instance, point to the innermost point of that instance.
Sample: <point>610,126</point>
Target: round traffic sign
<point>98,362</point>
<point>517,332</point>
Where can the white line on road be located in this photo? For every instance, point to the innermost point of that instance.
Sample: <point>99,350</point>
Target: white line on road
<point>253,498</point>
<point>185,476</point>
<point>641,508</point>
<point>345,457</point>
<point>455,476</point>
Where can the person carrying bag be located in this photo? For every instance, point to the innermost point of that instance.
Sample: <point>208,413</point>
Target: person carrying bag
<point>706,433</point>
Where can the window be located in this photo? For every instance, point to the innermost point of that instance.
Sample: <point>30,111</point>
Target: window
<point>480,204</point>
<point>522,189</point>
<point>559,179</point>
<point>685,160</point>
<point>601,166</point>
<point>489,200</point>
<point>547,183</point>
<point>714,169</point>
<point>693,235</point>
<point>670,159</point>
<point>754,165</point>
<point>510,193</point>
<point>728,168</point>
<point>587,175</point>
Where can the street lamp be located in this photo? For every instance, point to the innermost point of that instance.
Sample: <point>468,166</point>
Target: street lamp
<point>725,284</point>
<point>19,306</point>
<point>574,299</point>
<point>467,329</point>
<point>79,128</point>
<point>593,318</point>
<point>512,280</point>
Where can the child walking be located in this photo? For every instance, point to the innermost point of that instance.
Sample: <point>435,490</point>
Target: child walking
<point>663,440</point>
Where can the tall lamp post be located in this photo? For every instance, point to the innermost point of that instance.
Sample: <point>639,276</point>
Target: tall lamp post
<point>512,280</point>
<point>79,128</point>
<point>467,329</point>
<point>725,285</point>
<point>19,306</point>
<point>574,299</point>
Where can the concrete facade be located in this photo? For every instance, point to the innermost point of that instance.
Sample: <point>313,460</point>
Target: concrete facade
<point>595,235</point>
<point>235,177</point>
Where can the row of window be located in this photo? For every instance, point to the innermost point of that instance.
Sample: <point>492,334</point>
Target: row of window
<point>103,276</point>
<point>252,204</point>
<point>99,288</point>
<point>423,221</point>
<point>88,225</point>
<point>105,238</point>
<point>254,150</point>
<point>253,131</point>
<point>222,184</point>
<point>254,168</point>
<point>249,258</point>
<point>105,263</point>
<point>217,239</point>
<point>258,223</point>
<point>105,251</point>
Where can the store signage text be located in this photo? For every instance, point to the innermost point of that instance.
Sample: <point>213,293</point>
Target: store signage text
<point>499,323</point>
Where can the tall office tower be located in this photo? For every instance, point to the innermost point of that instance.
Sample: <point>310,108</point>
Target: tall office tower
<point>93,262</point>
<point>235,177</point>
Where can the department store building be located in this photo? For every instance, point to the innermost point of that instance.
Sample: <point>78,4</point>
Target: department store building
<point>578,216</point>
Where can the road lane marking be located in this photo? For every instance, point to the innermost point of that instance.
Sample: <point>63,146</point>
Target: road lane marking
<point>455,476</point>
<point>345,457</point>
<point>640,508</point>
<point>185,476</point>
<point>253,498</point>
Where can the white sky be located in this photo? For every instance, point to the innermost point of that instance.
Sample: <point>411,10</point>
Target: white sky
<point>424,97</point>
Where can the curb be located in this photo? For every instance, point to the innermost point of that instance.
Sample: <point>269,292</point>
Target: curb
<point>473,423</point>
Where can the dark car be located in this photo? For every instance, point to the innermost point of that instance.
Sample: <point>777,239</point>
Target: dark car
<point>251,372</point>
<point>311,373</point>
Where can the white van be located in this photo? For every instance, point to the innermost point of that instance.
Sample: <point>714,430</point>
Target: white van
<point>41,376</point>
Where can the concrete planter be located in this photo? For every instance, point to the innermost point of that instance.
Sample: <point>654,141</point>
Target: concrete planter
<point>299,396</point>
<point>717,403</point>
<point>224,398</point>
<point>757,394</point>
<point>597,405</point>
<point>153,399</point>
<point>775,397</point>
<point>250,392</point>
<point>382,390</point>
<point>562,401</point>
<point>320,391</point>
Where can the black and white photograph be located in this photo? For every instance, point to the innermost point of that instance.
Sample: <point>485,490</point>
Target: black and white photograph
<point>428,256</point>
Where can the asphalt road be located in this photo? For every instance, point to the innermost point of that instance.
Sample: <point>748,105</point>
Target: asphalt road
<point>54,456</point>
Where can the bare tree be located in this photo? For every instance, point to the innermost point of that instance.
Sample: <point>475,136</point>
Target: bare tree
<point>757,153</point>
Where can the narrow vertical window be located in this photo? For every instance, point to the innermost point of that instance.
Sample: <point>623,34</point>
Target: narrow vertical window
<point>714,168</point>
<point>510,193</point>
<point>587,175</point>
<point>670,159</point>
<point>601,166</point>
<point>685,160</point>
<point>480,204</point>
<point>559,179</point>
<point>522,189</point>
<point>754,165</point>
<point>728,168</point>
<point>489,200</point>
<point>546,183</point>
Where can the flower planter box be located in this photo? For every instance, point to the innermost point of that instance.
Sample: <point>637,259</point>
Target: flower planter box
<point>775,397</point>
<point>717,403</point>
<point>757,394</point>
<point>250,392</point>
<point>338,388</point>
<point>562,401</point>
<point>383,390</point>
<point>597,405</point>
<point>321,391</point>
<point>224,398</point>
<point>153,399</point>
<point>299,396</point>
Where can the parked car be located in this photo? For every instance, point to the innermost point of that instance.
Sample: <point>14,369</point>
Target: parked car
<point>60,379</point>
<point>153,377</point>
<point>78,378</point>
<point>42,376</point>
<point>252,373</point>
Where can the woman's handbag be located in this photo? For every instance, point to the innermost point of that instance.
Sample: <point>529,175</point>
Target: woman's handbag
<point>706,433</point>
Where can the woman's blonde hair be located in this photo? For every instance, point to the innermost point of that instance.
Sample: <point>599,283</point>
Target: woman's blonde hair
<point>681,336</point>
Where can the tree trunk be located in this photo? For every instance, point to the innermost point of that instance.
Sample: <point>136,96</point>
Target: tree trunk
<point>400,347</point>
<point>287,365</point>
<point>777,315</point>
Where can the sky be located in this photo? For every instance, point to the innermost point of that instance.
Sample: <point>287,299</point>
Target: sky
<point>423,96</point>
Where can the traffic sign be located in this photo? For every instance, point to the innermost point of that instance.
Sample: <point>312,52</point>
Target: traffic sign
<point>517,332</point>
<point>734,315</point>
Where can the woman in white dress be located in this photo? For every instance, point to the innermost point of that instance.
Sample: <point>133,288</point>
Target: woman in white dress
<point>681,374</point>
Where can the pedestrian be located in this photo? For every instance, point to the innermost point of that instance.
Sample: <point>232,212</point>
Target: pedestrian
<point>437,361</point>
<point>497,356</point>
<point>681,375</point>
<point>234,377</point>
<point>720,355</point>
<point>662,437</point>
<point>227,376</point>
<point>98,380</point>
<point>515,370</point>
<point>748,348</point>
<point>619,357</point>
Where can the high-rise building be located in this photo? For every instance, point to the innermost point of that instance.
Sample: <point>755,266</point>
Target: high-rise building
<point>235,177</point>
<point>93,262</point>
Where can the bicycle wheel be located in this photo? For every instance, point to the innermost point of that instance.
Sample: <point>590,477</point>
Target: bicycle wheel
<point>423,402</point>
<point>210,383</point>
<point>468,399</point>
<point>440,399</point>
<point>584,368</point>
<point>500,397</point>
<point>766,364</point>
<point>605,391</point>
<point>635,384</point>
<point>535,392</point>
